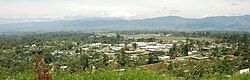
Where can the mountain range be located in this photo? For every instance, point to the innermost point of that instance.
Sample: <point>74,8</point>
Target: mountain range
<point>168,23</point>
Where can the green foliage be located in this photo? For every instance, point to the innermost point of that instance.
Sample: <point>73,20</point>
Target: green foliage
<point>123,75</point>
<point>152,59</point>
<point>84,61</point>
<point>123,59</point>
<point>199,69</point>
<point>141,60</point>
<point>134,45</point>
<point>48,58</point>
<point>16,59</point>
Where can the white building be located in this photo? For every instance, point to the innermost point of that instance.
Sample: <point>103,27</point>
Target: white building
<point>190,53</point>
<point>244,71</point>
<point>95,44</point>
<point>163,58</point>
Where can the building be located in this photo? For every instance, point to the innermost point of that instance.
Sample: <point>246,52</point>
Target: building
<point>162,58</point>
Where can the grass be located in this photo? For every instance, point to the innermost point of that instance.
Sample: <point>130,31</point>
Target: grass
<point>234,77</point>
<point>110,75</point>
<point>167,38</point>
<point>125,75</point>
<point>184,38</point>
<point>98,75</point>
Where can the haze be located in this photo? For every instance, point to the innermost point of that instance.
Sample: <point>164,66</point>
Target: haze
<point>125,9</point>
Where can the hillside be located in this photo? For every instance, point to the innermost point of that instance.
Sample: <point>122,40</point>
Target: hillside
<point>169,23</point>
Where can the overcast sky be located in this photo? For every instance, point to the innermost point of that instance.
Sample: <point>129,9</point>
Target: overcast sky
<point>126,9</point>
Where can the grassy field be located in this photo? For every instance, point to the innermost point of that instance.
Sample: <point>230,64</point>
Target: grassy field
<point>125,75</point>
<point>109,75</point>
<point>98,75</point>
<point>169,38</point>
<point>183,38</point>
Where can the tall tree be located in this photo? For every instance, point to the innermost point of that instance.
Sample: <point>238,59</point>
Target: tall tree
<point>84,60</point>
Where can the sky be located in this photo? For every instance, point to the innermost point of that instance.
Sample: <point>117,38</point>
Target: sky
<point>125,9</point>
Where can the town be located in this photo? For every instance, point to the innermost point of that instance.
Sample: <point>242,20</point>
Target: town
<point>192,55</point>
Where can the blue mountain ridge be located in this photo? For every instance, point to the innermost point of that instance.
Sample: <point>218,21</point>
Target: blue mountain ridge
<point>169,23</point>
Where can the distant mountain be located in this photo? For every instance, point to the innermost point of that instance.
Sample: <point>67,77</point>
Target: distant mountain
<point>169,23</point>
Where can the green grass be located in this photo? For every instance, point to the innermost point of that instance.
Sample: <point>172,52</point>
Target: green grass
<point>183,38</point>
<point>125,75</point>
<point>110,75</point>
<point>98,75</point>
<point>165,38</point>
<point>233,77</point>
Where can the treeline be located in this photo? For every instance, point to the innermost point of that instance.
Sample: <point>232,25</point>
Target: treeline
<point>187,33</point>
<point>8,41</point>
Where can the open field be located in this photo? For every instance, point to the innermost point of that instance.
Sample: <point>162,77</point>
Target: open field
<point>170,38</point>
<point>184,38</point>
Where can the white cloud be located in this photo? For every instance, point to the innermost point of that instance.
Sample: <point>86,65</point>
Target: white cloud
<point>118,14</point>
<point>127,9</point>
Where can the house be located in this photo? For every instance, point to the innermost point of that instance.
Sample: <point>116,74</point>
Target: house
<point>169,45</point>
<point>110,54</point>
<point>166,50</point>
<point>152,43</point>
<point>26,46</point>
<point>95,44</point>
<point>199,58</point>
<point>106,44</point>
<point>190,53</point>
<point>71,52</point>
<point>120,70</point>
<point>105,49</point>
<point>205,48</point>
<point>85,49</point>
<point>57,52</point>
<point>63,67</point>
<point>244,71</point>
<point>230,57</point>
<point>116,48</point>
<point>162,58</point>
<point>135,51</point>
<point>130,52</point>
<point>33,45</point>
<point>153,48</point>
<point>74,43</point>
<point>120,45</point>
<point>194,51</point>
<point>133,57</point>
<point>140,44</point>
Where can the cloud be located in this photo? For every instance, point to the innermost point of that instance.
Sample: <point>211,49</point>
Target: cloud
<point>234,4</point>
<point>118,14</point>
<point>127,9</point>
<point>174,11</point>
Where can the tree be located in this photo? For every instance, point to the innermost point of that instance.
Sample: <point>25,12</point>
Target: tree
<point>207,44</point>
<point>141,60</point>
<point>172,50</point>
<point>237,52</point>
<point>216,52</point>
<point>84,60</point>
<point>185,50</point>
<point>150,40</point>
<point>48,58</point>
<point>103,61</point>
<point>152,59</point>
<point>123,59</point>
<point>113,65</point>
<point>134,46</point>
<point>170,66</point>
<point>118,36</point>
